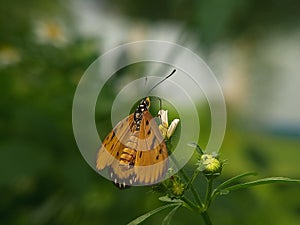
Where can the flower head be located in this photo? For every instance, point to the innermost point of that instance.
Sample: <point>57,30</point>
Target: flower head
<point>174,186</point>
<point>178,188</point>
<point>51,32</point>
<point>9,55</point>
<point>210,165</point>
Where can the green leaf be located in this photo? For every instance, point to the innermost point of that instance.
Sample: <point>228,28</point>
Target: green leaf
<point>195,145</point>
<point>170,215</point>
<point>168,199</point>
<point>221,188</point>
<point>234,179</point>
<point>268,180</point>
<point>145,216</point>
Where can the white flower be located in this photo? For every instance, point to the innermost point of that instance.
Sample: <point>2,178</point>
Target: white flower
<point>166,130</point>
<point>9,55</point>
<point>51,32</point>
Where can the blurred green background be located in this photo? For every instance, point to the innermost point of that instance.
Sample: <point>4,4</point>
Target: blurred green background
<point>253,47</point>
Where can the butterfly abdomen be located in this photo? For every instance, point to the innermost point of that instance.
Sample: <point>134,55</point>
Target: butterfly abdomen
<point>128,155</point>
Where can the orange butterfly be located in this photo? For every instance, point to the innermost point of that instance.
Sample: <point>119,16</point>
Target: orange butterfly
<point>135,151</point>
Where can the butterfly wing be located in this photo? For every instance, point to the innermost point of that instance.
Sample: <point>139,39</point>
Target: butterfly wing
<point>111,150</point>
<point>151,161</point>
<point>147,160</point>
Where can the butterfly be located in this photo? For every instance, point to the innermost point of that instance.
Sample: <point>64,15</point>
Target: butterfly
<point>135,152</point>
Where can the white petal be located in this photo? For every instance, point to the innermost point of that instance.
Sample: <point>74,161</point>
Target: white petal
<point>172,128</point>
<point>164,117</point>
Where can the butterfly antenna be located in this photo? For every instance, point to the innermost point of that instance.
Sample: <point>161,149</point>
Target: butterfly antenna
<point>163,80</point>
<point>146,79</point>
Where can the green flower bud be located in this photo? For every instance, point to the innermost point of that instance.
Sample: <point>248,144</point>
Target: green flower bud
<point>175,186</point>
<point>210,165</point>
<point>178,188</point>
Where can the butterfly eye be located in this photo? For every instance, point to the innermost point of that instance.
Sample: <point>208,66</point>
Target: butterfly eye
<point>147,102</point>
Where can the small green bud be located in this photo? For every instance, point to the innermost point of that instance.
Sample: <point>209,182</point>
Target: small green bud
<point>174,186</point>
<point>178,188</point>
<point>210,165</point>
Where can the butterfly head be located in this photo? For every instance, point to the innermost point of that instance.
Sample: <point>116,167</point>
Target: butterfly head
<point>145,104</point>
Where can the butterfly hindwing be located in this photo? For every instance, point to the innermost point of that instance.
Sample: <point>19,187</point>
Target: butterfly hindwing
<point>151,157</point>
<point>112,147</point>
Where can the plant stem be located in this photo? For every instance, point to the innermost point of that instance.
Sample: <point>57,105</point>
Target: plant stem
<point>190,182</point>
<point>197,209</point>
<point>190,185</point>
<point>195,193</point>
<point>206,218</point>
<point>190,204</point>
<point>208,193</point>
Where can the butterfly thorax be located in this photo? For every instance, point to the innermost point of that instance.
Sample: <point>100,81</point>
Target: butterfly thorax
<point>138,113</point>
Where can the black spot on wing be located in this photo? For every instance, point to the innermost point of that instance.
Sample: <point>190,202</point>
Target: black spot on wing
<point>112,136</point>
